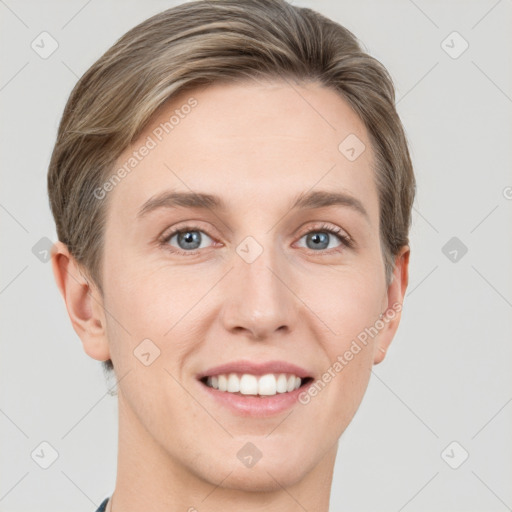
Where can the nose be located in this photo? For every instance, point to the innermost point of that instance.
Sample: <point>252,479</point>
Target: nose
<point>259,297</point>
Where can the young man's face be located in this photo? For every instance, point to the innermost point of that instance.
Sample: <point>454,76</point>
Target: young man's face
<point>257,280</point>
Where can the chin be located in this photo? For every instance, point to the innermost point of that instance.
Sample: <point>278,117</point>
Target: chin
<point>270,473</point>
<point>263,478</point>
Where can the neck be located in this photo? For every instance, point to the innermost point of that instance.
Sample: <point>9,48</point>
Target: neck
<point>148,478</point>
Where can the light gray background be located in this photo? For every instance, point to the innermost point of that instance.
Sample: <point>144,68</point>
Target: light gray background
<point>447,374</point>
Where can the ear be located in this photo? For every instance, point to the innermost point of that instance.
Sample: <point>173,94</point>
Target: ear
<point>395,298</point>
<point>83,302</point>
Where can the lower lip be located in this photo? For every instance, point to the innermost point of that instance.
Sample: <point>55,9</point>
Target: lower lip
<point>256,406</point>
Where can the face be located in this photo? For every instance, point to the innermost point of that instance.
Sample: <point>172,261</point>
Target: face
<point>253,278</point>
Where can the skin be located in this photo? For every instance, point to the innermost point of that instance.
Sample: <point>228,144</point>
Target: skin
<point>257,145</point>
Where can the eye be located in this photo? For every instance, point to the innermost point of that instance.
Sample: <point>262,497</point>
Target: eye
<point>319,238</point>
<point>188,238</point>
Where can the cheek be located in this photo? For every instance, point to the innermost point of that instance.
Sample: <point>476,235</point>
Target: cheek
<point>142,299</point>
<point>158,305</point>
<point>338,392</point>
<point>345,301</point>
<point>349,307</point>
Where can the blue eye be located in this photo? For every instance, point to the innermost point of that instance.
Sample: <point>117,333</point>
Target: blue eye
<point>190,238</point>
<point>320,238</point>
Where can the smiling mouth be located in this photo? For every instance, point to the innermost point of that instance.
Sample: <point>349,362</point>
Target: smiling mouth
<point>263,386</point>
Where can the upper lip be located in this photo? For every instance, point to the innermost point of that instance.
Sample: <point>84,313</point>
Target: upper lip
<point>255,368</point>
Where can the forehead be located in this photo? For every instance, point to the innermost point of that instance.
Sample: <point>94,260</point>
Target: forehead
<point>252,143</point>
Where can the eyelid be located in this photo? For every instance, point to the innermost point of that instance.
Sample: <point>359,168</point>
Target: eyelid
<point>345,239</point>
<point>327,226</point>
<point>347,242</point>
<point>182,226</point>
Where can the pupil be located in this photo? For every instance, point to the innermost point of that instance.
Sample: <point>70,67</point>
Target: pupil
<point>190,237</point>
<point>317,238</point>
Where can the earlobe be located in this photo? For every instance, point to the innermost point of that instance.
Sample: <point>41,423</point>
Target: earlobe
<point>395,297</point>
<point>83,303</point>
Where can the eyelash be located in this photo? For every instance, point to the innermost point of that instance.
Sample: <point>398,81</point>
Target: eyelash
<point>346,241</point>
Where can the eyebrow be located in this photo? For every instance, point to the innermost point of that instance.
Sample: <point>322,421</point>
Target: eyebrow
<point>305,200</point>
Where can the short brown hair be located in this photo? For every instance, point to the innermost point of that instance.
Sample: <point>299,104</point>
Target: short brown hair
<point>198,43</point>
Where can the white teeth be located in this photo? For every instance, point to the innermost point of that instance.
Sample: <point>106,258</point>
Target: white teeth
<point>282,383</point>
<point>233,383</point>
<point>291,383</point>
<point>267,385</point>
<point>223,383</point>
<point>247,384</point>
